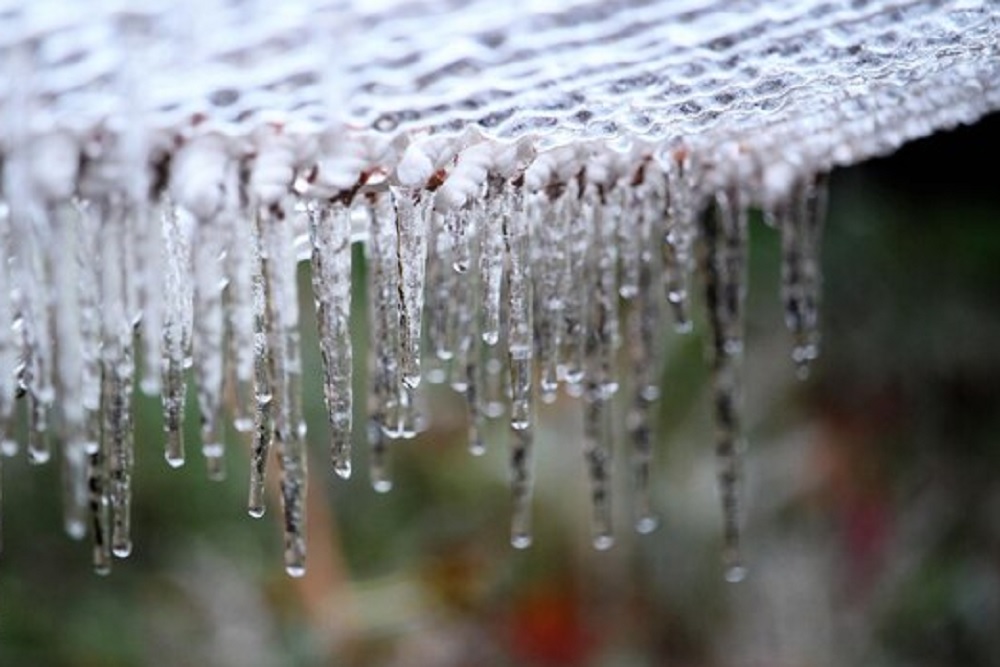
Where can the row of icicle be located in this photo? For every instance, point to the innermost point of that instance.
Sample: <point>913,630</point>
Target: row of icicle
<point>508,286</point>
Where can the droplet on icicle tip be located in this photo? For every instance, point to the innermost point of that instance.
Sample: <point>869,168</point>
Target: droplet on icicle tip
<point>173,460</point>
<point>735,573</point>
<point>295,571</point>
<point>342,468</point>
<point>520,540</point>
<point>645,525</point>
<point>603,542</point>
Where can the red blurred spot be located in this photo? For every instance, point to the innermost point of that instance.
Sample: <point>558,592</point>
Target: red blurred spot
<point>546,628</point>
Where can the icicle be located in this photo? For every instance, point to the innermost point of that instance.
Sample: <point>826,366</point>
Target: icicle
<point>8,343</point>
<point>379,461</point>
<point>76,293</point>
<point>100,518</point>
<point>241,267</point>
<point>263,426</point>
<point>464,325</point>
<point>800,221</point>
<point>493,396</point>
<point>330,232</point>
<point>117,447</point>
<point>411,261</point>
<point>521,486</point>
<point>575,292</point>
<point>208,341</point>
<point>601,265</point>
<point>69,285</point>
<point>491,259</point>
<point>724,266</point>
<point>384,384</point>
<point>75,495</point>
<point>383,293</point>
<point>678,238</point>
<point>520,336</point>
<point>116,382</point>
<point>33,305</point>
<point>1,504</point>
<point>439,300</point>
<point>468,328</point>
<point>546,222</point>
<point>597,452</point>
<point>642,335</point>
<point>89,267</point>
<point>39,443</point>
<point>176,330</point>
<point>476,444</point>
<point>281,299</point>
<point>631,242</point>
<point>152,298</point>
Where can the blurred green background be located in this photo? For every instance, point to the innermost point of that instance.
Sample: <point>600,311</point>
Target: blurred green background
<point>872,519</point>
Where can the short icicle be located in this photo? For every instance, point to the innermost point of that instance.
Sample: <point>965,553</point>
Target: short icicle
<point>522,442</point>
<point>412,214</point>
<point>330,233</point>
<point>491,258</point>
<point>678,236</point>
<point>800,222</point>
<point>545,219</point>
<point>100,512</point>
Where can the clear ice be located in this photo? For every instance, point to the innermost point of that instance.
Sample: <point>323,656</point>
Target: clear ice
<point>553,272</point>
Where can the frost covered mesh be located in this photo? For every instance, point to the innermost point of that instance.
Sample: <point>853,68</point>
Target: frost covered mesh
<point>535,186</point>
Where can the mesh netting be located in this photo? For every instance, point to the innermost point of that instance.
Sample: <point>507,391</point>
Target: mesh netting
<point>819,82</point>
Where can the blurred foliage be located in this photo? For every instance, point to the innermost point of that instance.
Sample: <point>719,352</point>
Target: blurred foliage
<point>873,519</point>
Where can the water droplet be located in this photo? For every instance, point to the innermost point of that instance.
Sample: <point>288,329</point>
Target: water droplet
<point>520,541</point>
<point>735,574</point>
<point>603,542</point>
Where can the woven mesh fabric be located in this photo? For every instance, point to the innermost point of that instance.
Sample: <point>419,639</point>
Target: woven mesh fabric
<point>816,82</point>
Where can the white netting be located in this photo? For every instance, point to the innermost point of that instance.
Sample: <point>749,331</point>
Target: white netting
<point>822,82</point>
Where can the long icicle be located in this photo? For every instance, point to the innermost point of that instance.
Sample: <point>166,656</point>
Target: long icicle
<point>520,344</point>
<point>289,430</point>
<point>208,342</point>
<point>263,425</point>
<point>642,332</point>
<point>383,378</point>
<point>724,232</point>
<point>116,380</point>
<point>176,331</point>
<point>330,233</point>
